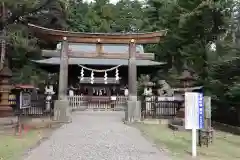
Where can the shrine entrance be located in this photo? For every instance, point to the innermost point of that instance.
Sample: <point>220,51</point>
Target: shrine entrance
<point>98,90</point>
<point>104,49</point>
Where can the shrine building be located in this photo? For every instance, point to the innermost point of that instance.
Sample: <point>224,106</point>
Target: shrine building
<point>105,73</point>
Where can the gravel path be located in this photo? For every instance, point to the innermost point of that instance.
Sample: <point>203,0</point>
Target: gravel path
<point>96,136</point>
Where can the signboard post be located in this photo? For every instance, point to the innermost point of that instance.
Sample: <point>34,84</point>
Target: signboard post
<point>207,106</point>
<point>194,116</point>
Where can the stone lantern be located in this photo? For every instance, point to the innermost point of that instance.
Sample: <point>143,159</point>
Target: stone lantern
<point>147,85</point>
<point>187,81</point>
<point>148,89</point>
<point>5,89</point>
<point>148,94</point>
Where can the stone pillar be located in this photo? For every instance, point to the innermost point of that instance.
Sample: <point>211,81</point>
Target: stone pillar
<point>133,111</point>
<point>61,107</point>
<point>132,72</point>
<point>63,76</point>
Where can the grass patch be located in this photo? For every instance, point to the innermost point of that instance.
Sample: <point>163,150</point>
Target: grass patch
<point>225,145</point>
<point>12,147</point>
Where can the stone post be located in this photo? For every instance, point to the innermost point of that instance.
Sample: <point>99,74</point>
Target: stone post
<point>63,76</point>
<point>133,111</point>
<point>61,106</point>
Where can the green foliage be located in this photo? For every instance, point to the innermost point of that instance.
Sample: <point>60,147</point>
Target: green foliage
<point>29,74</point>
<point>22,45</point>
<point>76,16</point>
<point>224,82</point>
<point>193,25</point>
<point>102,16</point>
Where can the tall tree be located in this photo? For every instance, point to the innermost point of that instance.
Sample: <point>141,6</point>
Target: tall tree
<point>223,69</point>
<point>21,43</point>
<point>192,25</point>
<point>129,16</point>
<point>77,20</point>
<point>103,16</point>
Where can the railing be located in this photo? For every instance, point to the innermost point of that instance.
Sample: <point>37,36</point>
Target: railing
<point>151,107</point>
<point>37,109</point>
<point>159,107</point>
<point>79,102</point>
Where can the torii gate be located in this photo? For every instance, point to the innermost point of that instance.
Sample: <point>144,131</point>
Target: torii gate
<point>130,39</point>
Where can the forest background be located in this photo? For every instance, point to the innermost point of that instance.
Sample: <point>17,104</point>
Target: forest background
<point>203,35</point>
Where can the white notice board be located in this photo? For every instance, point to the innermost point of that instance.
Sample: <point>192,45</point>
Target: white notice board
<point>24,100</point>
<point>194,111</point>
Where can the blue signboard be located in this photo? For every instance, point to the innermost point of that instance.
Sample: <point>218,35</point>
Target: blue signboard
<point>201,111</point>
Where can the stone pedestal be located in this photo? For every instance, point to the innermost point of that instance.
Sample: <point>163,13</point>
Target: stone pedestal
<point>62,112</point>
<point>133,111</point>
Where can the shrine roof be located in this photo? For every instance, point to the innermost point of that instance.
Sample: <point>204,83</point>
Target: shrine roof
<point>97,61</point>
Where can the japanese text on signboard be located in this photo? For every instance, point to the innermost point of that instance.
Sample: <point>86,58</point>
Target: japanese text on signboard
<point>194,110</point>
<point>25,100</point>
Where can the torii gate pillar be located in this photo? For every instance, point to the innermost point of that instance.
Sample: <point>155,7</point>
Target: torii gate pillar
<point>61,106</point>
<point>133,111</point>
<point>63,74</point>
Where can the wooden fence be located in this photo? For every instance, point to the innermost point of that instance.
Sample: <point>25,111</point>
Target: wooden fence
<point>159,107</point>
<point>78,102</point>
<point>37,109</point>
<point>151,107</point>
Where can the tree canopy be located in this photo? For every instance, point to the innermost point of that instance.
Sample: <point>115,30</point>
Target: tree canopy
<point>22,45</point>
